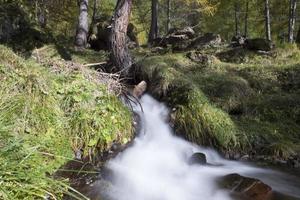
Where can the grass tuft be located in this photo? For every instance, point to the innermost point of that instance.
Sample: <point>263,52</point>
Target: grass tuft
<point>45,117</point>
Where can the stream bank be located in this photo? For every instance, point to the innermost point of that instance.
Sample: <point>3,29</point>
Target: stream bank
<point>243,109</point>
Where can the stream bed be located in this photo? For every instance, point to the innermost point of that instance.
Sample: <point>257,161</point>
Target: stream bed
<point>156,166</point>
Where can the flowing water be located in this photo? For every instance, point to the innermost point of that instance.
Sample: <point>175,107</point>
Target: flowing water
<point>156,166</point>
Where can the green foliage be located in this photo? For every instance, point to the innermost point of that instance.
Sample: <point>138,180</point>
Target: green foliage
<point>45,117</point>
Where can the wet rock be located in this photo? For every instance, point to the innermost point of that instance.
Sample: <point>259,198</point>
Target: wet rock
<point>209,39</point>
<point>280,196</point>
<point>139,89</point>
<point>294,161</point>
<point>201,58</point>
<point>259,44</point>
<point>246,188</point>
<point>198,158</point>
<point>245,158</point>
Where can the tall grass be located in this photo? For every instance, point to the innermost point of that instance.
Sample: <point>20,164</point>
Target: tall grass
<point>45,117</point>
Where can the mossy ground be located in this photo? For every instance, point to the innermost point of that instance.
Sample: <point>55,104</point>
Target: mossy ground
<point>249,105</point>
<point>49,111</point>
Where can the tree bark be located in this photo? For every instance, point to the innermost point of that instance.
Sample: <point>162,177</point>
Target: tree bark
<point>236,16</point>
<point>95,6</point>
<point>41,13</point>
<point>120,56</point>
<point>292,20</point>
<point>246,19</point>
<point>298,37</point>
<point>153,33</point>
<point>82,27</point>
<point>267,20</point>
<point>168,27</point>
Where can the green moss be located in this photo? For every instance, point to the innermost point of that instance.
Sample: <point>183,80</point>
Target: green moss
<point>251,106</point>
<point>45,116</point>
<point>195,116</point>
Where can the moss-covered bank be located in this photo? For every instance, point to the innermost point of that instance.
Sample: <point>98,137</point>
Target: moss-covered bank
<point>251,106</point>
<point>47,113</point>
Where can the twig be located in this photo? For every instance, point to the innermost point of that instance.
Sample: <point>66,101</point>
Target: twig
<point>94,64</point>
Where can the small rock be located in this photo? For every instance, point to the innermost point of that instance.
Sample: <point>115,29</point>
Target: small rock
<point>245,158</point>
<point>200,57</point>
<point>198,158</point>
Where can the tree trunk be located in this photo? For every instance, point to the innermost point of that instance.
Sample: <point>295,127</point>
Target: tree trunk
<point>120,56</point>
<point>82,27</point>
<point>298,37</point>
<point>292,19</point>
<point>168,15</point>
<point>95,6</point>
<point>236,16</point>
<point>246,19</point>
<point>153,33</point>
<point>267,20</point>
<point>41,13</point>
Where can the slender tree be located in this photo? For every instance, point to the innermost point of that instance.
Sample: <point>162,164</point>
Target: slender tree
<point>120,56</point>
<point>267,20</point>
<point>246,19</point>
<point>153,33</point>
<point>95,6</point>
<point>82,27</point>
<point>236,17</point>
<point>292,19</point>
<point>168,27</point>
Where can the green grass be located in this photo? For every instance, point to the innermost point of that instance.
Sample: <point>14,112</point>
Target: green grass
<point>46,115</point>
<point>245,106</point>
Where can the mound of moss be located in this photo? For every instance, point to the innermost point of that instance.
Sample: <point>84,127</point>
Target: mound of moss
<point>46,115</point>
<point>249,107</point>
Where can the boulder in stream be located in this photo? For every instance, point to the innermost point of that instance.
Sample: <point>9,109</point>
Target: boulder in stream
<point>245,188</point>
<point>198,158</point>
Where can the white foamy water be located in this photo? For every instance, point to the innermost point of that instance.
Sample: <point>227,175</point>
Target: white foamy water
<point>156,166</point>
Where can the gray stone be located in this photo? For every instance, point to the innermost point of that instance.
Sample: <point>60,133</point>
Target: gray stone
<point>198,158</point>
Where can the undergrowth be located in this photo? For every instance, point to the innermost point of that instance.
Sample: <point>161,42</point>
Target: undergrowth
<point>47,115</point>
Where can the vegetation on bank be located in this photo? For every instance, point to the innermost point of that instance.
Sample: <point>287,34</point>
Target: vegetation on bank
<point>249,106</point>
<point>48,112</point>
